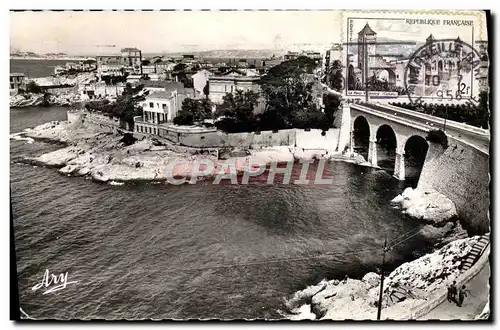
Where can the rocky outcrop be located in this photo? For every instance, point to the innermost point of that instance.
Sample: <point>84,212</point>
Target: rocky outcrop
<point>407,286</point>
<point>105,157</point>
<point>78,79</point>
<point>33,100</point>
<point>428,205</point>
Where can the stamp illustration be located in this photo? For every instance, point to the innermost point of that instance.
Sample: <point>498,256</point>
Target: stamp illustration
<point>413,57</point>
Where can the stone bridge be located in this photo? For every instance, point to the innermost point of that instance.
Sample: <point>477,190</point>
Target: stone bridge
<point>405,124</point>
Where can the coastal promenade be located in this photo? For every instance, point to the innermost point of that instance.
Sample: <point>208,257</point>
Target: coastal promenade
<point>473,304</point>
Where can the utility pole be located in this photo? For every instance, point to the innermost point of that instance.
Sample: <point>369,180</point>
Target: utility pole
<point>379,311</point>
<point>446,116</point>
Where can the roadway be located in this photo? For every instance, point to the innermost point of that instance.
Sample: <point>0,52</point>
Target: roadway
<point>473,304</point>
<point>482,141</point>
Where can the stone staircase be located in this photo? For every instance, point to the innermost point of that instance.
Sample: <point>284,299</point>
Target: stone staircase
<point>476,252</point>
<point>401,293</point>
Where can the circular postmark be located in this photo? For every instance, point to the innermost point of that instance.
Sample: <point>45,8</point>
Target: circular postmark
<point>441,71</point>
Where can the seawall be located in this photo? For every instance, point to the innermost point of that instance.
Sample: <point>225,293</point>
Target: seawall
<point>197,137</point>
<point>460,172</point>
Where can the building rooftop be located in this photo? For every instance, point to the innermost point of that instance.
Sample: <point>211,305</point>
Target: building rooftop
<point>15,74</point>
<point>367,30</point>
<point>130,49</point>
<point>160,95</point>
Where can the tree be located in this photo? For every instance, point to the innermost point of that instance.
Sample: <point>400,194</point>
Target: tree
<point>206,89</point>
<point>481,112</point>
<point>476,114</point>
<point>332,104</point>
<point>439,137</point>
<point>353,82</point>
<point>310,117</point>
<point>193,111</point>
<point>287,88</point>
<point>32,87</point>
<point>183,118</point>
<point>126,106</point>
<point>334,77</point>
<point>237,109</point>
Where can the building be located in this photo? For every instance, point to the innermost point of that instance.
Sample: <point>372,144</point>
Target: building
<point>366,50</point>
<point>162,85</point>
<point>161,107</point>
<point>200,80</point>
<point>132,60</point>
<point>482,70</point>
<point>290,56</point>
<point>72,66</point>
<point>88,65</point>
<point>242,63</point>
<point>133,78</point>
<point>229,82</point>
<point>331,55</point>
<point>146,69</point>
<point>205,65</point>
<point>90,91</point>
<point>59,70</point>
<point>17,81</point>
<point>110,65</point>
<point>164,66</point>
<point>129,60</point>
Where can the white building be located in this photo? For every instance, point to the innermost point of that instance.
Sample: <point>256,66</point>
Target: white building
<point>229,82</point>
<point>161,107</point>
<point>146,69</point>
<point>200,80</point>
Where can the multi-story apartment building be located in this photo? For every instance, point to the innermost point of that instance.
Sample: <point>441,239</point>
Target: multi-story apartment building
<point>17,81</point>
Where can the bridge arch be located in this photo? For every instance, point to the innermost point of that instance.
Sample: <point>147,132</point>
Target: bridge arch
<point>415,151</point>
<point>386,146</point>
<point>361,133</point>
<point>388,74</point>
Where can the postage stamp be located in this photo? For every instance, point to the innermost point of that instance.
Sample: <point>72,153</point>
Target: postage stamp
<point>417,57</point>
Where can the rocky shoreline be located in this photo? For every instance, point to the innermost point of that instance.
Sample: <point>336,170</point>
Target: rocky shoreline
<point>64,98</point>
<point>34,99</point>
<point>405,288</point>
<point>90,152</point>
<point>104,157</point>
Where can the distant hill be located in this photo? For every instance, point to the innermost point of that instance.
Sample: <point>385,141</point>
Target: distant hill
<point>391,48</point>
<point>234,53</point>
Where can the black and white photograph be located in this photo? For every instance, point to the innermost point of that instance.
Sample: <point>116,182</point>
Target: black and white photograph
<point>291,165</point>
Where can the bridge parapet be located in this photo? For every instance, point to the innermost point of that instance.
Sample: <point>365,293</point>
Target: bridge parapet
<point>437,120</point>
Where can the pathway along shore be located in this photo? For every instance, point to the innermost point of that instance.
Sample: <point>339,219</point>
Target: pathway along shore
<point>473,304</point>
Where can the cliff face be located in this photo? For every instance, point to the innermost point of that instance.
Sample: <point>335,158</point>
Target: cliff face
<point>461,173</point>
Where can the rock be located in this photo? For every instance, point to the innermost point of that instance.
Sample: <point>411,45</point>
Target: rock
<point>371,280</point>
<point>303,313</point>
<point>428,205</point>
<point>413,281</point>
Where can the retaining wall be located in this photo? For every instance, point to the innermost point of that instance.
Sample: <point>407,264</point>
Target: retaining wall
<point>461,172</point>
<point>111,124</point>
<point>212,138</point>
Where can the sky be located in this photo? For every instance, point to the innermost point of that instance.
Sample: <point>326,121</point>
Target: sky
<point>172,31</point>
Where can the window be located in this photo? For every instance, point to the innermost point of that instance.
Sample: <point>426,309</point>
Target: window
<point>158,105</point>
<point>164,106</point>
<point>151,105</point>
